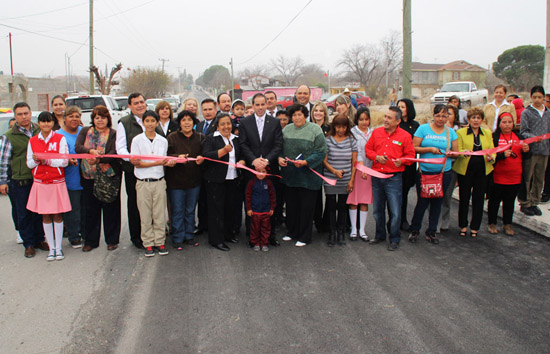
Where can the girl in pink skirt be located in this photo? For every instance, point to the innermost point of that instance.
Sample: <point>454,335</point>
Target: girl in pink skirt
<point>49,195</point>
<point>361,194</point>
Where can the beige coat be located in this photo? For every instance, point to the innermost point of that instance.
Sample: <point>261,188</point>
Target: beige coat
<point>490,110</point>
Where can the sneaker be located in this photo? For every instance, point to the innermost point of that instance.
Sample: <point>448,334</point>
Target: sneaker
<point>19,239</point>
<point>545,198</point>
<point>364,238</point>
<point>51,256</point>
<point>300,244</point>
<point>256,248</point>
<point>178,246</point>
<point>149,252</point>
<point>287,238</point>
<point>162,250</point>
<point>59,255</point>
<point>527,211</point>
<point>393,246</point>
<point>536,210</point>
<point>265,249</point>
<point>432,237</point>
<point>413,237</point>
<point>76,244</point>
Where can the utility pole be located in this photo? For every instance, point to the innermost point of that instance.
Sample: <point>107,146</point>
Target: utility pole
<point>232,81</point>
<point>328,78</point>
<point>179,79</point>
<point>91,40</point>
<point>546,79</point>
<point>12,78</point>
<point>406,76</point>
<point>163,61</point>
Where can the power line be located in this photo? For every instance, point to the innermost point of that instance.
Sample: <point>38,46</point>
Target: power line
<point>43,13</point>
<point>40,34</point>
<point>277,36</point>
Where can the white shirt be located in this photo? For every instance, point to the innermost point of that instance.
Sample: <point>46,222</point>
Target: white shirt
<point>231,171</point>
<point>164,126</point>
<point>141,145</point>
<point>497,109</point>
<point>260,122</point>
<point>63,149</point>
<point>121,146</point>
<point>274,112</point>
<point>541,112</point>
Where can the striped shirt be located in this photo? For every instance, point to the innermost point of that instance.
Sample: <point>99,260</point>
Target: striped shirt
<point>339,157</point>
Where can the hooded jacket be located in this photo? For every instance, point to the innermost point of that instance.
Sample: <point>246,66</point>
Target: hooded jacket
<point>532,124</point>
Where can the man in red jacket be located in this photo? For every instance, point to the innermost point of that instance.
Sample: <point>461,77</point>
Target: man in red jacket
<point>386,146</point>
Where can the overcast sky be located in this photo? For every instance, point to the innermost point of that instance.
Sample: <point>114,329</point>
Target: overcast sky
<point>193,35</point>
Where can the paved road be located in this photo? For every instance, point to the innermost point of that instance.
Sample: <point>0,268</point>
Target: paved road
<point>485,295</point>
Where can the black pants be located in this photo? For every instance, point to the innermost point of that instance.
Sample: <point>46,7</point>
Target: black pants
<point>472,185</point>
<point>546,189</point>
<point>505,193</point>
<point>300,206</point>
<point>408,181</point>
<point>221,203</point>
<point>202,208</point>
<point>336,203</point>
<point>94,209</point>
<point>134,221</point>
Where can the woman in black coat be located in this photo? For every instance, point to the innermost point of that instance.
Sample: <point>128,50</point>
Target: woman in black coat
<point>221,182</point>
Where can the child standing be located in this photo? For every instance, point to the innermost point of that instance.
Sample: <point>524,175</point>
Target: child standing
<point>260,203</point>
<point>150,185</point>
<point>49,196</point>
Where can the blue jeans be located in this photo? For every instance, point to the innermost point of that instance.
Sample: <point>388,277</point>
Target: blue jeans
<point>434,203</point>
<point>29,223</point>
<point>182,204</point>
<point>72,218</point>
<point>387,190</point>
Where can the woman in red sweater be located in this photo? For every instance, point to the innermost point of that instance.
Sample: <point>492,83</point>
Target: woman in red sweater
<point>507,173</point>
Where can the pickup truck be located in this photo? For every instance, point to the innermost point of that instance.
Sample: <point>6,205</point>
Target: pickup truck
<point>88,102</point>
<point>466,90</point>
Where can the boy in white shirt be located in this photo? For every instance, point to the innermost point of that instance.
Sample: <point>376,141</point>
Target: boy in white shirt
<point>150,185</point>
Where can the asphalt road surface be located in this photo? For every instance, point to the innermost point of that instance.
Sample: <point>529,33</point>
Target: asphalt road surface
<point>484,295</point>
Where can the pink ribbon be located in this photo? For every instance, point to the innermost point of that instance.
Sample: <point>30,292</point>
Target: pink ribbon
<point>371,172</point>
<point>482,152</point>
<point>535,139</point>
<point>49,155</point>
<point>438,160</point>
<point>332,182</point>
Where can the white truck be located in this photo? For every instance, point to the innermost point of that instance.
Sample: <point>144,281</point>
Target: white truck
<point>466,90</point>
<point>88,102</point>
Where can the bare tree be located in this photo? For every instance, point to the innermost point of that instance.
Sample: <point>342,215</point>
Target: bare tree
<point>360,63</point>
<point>289,68</point>
<point>313,75</point>
<point>151,82</point>
<point>103,83</point>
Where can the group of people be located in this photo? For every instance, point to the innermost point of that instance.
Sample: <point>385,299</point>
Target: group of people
<point>266,161</point>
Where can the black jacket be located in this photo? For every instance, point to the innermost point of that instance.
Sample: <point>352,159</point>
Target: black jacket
<point>269,148</point>
<point>215,171</point>
<point>172,127</point>
<point>211,127</point>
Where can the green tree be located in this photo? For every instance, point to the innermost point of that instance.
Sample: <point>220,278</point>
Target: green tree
<point>522,67</point>
<point>216,76</point>
<point>150,82</point>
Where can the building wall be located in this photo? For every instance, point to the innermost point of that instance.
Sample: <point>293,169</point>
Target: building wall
<point>38,92</point>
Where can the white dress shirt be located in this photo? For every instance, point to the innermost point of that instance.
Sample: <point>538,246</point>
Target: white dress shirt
<point>141,145</point>
<point>164,126</point>
<point>63,149</point>
<point>497,110</point>
<point>260,122</point>
<point>121,146</point>
<point>231,171</point>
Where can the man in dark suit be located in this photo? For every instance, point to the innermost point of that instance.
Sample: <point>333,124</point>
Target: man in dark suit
<point>261,141</point>
<point>207,127</point>
<point>303,95</point>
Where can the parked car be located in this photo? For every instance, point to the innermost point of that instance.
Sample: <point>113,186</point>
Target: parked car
<point>5,110</point>
<point>362,101</point>
<point>88,102</point>
<point>465,90</point>
<point>152,103</point>
<point>284,101</point>
<point>122,102</point>
<point>174,103</point>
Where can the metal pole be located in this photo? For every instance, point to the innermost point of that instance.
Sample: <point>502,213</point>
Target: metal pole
<point>328,77</point>
<point>406,76</point>
<point>233,80</point>
<point>11,58</point>
<point>12,78</point>
<point>546,79</point>
<point>91,40</point>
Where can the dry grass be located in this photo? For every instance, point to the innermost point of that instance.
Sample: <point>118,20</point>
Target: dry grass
<point>423,113</point>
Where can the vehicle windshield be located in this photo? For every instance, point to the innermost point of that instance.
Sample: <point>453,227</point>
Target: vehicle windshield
<point>122,103</point>
<point>455,87</point>
<point>86,104</point>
